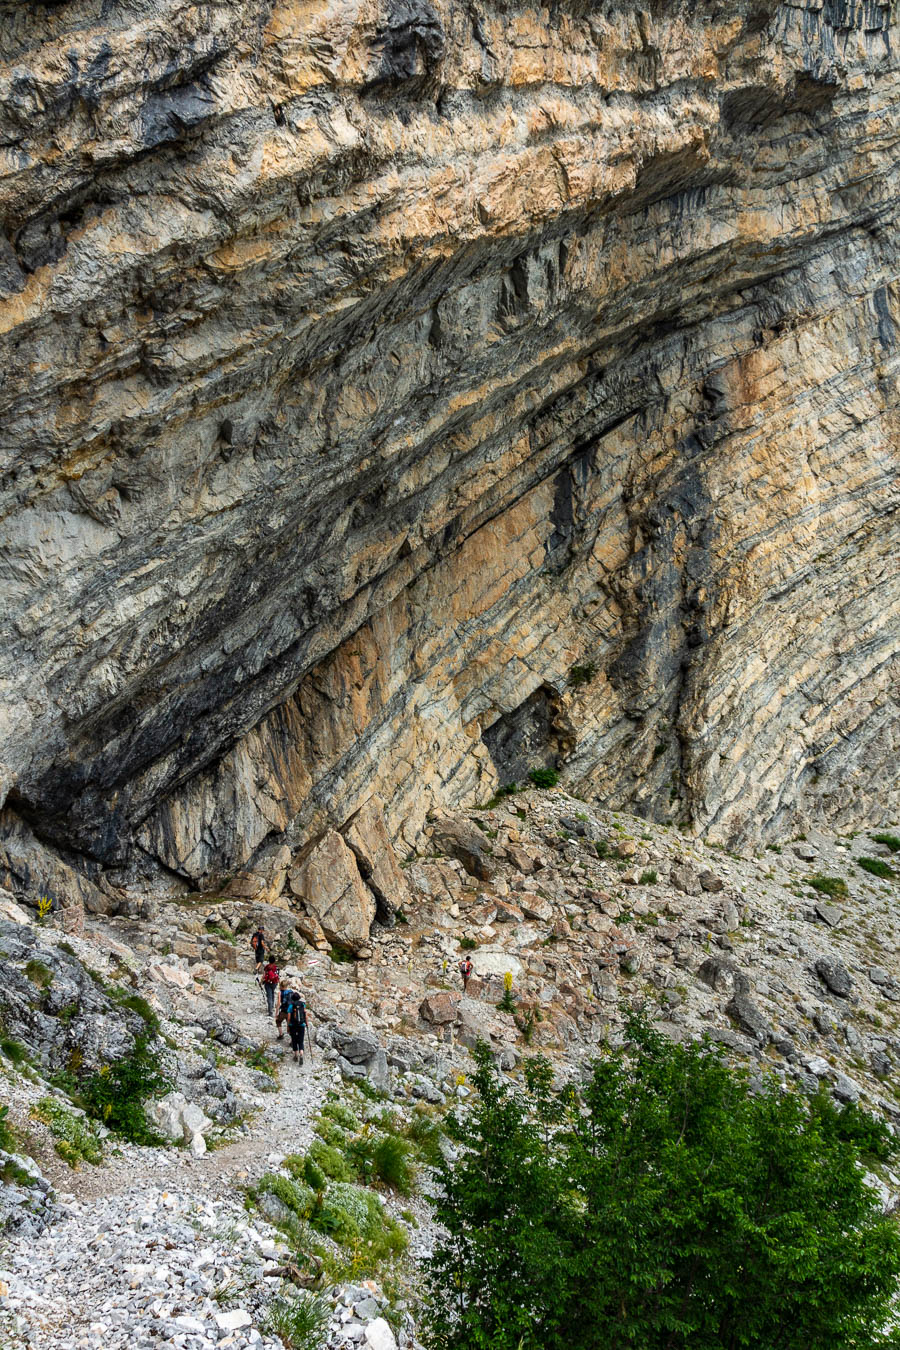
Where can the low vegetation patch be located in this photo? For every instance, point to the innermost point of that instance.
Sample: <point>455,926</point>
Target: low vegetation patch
<point>877,867</point>
<point>74,1139</point>
<point>835,887</point>
<point>544,778</point>
<point>39,974</point>
<point>300,1320</point>
<point>888,840</point>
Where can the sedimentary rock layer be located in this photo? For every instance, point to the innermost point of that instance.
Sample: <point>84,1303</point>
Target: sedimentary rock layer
<point>396,395</point>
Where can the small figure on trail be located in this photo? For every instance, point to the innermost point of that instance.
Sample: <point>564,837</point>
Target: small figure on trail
<point>465,970</point>
<point>258,943</point>
<point>270,985</point>
<point>296,1024</point>
<point>286,996</point>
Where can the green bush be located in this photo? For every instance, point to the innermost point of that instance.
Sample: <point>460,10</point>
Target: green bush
<point>650,877</point>
<point>341,1114</point>
<point>836,887</point>
<point>663,1205</point>
<point>877,867</point>
<point>75,1140</point>
<point>889,840</point>
<point>299,1320</point>
<point>425,1133</point>
<point>116,1094</point>
<point>468,944</point>
<point>544,778</point>
<point>331,1160</point>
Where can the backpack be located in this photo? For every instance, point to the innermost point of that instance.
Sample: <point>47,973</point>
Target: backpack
<point>271,975</point>
<point>297,1012</point>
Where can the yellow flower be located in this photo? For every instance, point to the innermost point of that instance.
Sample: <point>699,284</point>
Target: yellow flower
<point>508,981</point>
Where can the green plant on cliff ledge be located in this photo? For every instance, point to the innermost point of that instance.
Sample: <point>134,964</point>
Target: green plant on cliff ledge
<point>544,778</point>
<point>663,1204</point>
<point>889,840</point>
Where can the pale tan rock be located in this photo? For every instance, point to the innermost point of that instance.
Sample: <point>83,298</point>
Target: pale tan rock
<point>367,835</point>
<point>334,894</point>
<point>535,906</point>
<point>440,1009</point>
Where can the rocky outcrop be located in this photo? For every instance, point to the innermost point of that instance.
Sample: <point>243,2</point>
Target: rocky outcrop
<point>395,399</point>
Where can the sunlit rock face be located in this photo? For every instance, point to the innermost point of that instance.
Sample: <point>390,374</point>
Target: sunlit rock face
<point>396,396</point>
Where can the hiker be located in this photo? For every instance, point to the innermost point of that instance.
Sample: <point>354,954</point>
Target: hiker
<point>287,994</point>
<point>270,985</point>
<point>258,943</point>
<point>465,970</point>
<point>296,1024</point>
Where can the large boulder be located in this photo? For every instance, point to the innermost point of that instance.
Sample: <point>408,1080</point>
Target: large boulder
<point>834,975</point>
<point>367,835</point>
<point>334,894</point>
<point>462,840</point>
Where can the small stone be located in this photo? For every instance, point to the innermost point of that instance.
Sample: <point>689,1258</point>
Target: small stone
<point>234,1320</point>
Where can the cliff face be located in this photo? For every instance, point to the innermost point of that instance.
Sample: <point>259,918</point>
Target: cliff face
<point>397,394</point>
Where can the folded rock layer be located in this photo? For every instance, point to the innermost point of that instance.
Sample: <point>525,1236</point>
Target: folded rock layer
<point>396,395</point>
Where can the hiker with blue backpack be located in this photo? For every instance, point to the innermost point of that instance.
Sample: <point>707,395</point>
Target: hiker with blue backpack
<point>292,1010</point>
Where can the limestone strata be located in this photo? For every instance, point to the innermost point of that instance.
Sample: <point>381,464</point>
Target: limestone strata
<point>397,396</point>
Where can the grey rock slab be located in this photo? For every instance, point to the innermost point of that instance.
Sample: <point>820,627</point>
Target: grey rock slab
<point>834,975</point>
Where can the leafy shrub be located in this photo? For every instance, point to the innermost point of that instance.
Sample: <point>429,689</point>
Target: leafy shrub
<point>544,778</point>
<point>331,1160</point>
<point>650,877</point>
<point>836,887</point>
<point>331,1133</point>
<point>468,944</point>
<point>877,867</point>
<point>889,840</point>
<point>116,1094</point>
<point>75,1140</point>
<point>663,1205</point>
<point>299,1320</point>
<point>39,974</point>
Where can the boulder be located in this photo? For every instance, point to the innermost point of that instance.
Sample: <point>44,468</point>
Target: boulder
<point>522,860</point>
<point>378,1336</point>
<point>462,840</point>
<point>329,883</point>
<point>834,975</point>
<point>718,973</point>
<point>711,883</point>
<point>535,907</point>
<point>744,1012</point>
<point>490,961</point>
<point>829,914</point>
<point>367,835</point>
<point>507,913</point>
<point>684,877</point>
<point>356,1046</point>
<point>165,1115</point>
<point>439,1009</point>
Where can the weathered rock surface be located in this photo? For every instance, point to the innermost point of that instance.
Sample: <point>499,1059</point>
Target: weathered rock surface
<point>401,407</point>
<point>330,886</point>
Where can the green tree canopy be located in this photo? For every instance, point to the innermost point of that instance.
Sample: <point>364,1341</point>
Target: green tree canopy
<point>665,1205</point>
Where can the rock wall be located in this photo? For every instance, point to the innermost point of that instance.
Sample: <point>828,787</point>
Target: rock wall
<point>397,392</point>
